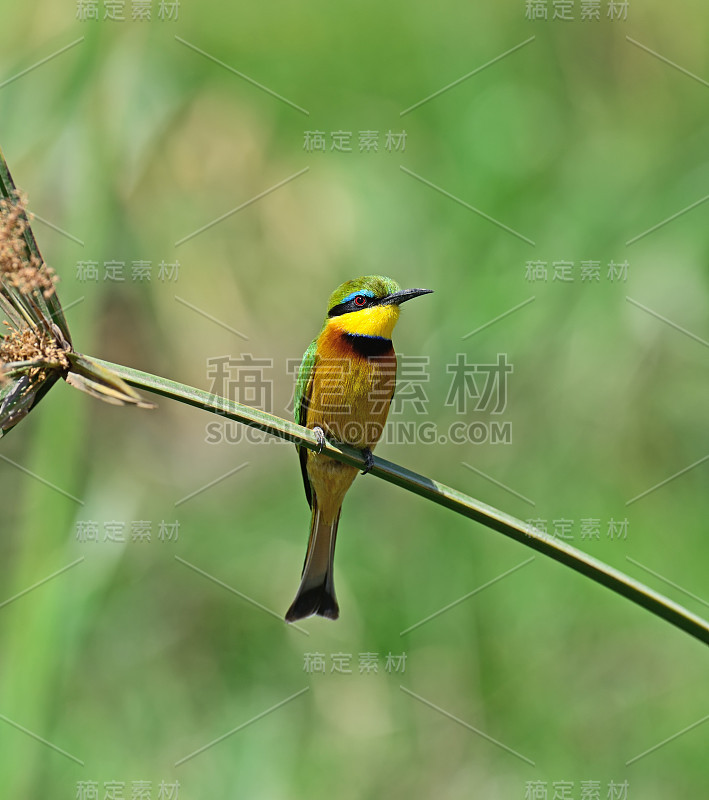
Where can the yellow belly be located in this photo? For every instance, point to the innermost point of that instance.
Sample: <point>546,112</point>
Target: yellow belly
<point>349,400</point>
<point>351,394</point>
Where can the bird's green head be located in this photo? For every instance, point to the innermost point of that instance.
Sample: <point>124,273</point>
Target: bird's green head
<point>368,306</point>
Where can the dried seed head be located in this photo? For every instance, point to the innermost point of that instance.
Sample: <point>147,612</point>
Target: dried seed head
<point>31,344</point>
<point>19,267</point>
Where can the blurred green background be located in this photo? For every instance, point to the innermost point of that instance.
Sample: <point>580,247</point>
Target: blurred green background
<point>580,141</point>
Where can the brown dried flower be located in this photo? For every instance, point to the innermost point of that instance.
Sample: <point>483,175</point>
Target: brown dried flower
<point>36,349</point>
<point>34,345</point>
<point>20,268</point>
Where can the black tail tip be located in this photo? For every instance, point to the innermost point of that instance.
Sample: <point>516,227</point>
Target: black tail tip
<point>318,600</point>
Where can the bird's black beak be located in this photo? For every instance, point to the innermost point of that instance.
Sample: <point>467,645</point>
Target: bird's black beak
<point>397,298</point>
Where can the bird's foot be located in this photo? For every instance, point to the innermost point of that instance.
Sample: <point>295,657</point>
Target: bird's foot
<point>320,436</point>
<point>368,460</point>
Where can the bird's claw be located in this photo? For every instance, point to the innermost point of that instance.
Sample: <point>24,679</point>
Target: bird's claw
<point>320,436</point>
<point>368,461</point>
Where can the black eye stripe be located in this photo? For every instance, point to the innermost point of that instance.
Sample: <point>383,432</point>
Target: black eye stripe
<point>352,305</point>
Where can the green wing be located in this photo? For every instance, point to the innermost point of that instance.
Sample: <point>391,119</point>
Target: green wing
<point>303,388</point>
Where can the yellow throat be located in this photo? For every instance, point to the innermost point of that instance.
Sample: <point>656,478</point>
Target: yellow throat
<point>375,321</point>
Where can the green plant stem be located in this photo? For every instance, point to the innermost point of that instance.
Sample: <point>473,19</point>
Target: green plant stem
<point>461,503</point>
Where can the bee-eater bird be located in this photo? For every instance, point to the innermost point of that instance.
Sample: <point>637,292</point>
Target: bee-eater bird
<point>343,392</point>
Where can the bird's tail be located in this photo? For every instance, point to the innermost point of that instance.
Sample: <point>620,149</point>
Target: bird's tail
<point>316,594</point>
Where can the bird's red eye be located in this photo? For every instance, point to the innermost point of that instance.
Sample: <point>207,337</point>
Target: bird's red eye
<point>360,300</point>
